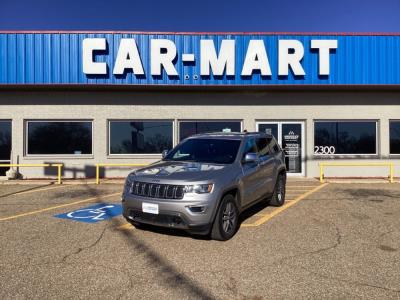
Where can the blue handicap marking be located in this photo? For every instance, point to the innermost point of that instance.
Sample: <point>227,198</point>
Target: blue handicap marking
<point>94,213</point>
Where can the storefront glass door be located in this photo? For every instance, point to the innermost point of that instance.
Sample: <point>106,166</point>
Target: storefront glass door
<point>290,136</point>
<point>5,145</point>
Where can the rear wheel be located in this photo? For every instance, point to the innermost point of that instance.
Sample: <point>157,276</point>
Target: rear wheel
<point>226,219</point>
<point>278,197</point>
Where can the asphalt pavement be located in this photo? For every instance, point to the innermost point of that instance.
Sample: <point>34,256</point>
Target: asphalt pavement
<point>329,241</point>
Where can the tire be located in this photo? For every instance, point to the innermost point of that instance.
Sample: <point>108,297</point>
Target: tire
<point>278,197</point>
<point>226,220</point>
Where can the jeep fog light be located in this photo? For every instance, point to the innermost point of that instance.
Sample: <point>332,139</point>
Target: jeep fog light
<point>197,208</point>
<point>199,188</point>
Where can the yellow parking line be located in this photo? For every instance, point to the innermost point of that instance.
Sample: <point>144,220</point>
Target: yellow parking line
<point>301,186</point>
<point>258,214</point>
<point>294,196</point>
<point>55,207</point>
<point>125,226</point>
<point>246,225</point>
<point>282,208</point>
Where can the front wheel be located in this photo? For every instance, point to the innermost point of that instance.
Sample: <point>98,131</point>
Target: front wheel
<point>226,220</point>
<point>278,197</point>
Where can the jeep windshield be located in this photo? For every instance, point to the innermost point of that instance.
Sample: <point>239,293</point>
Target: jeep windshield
<point>203,150</point>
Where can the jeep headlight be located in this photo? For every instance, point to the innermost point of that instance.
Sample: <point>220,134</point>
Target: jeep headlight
<point>199,188</point>
<point>129,180</point>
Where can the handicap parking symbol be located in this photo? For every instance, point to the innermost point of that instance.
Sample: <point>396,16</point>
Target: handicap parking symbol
<point>94,213</point>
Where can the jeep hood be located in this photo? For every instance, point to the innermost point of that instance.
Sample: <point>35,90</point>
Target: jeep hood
<point>180,171</point>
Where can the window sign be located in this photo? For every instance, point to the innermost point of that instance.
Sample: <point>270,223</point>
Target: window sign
<point>289,135</point>
<point>292,144</point>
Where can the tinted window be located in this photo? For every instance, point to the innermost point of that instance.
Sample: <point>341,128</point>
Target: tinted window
<point>129,137</point>
<point>395,137</point>
<point>5,145</point>
<point>250,146</point>
<point>274,148</point>
<point>269,129</point>
<point>263,146</point>
<point>345,137</point>
<point>5,140</point>
<point>206,150</point>
<point>187,128</point>
<point>59,138</point>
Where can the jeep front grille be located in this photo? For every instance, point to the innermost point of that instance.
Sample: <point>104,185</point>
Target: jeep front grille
<point>154,190</point>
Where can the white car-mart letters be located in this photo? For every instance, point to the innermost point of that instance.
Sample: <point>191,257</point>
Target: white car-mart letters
<point>163,53</point>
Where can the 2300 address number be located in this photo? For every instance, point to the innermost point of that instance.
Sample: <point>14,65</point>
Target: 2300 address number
<point>324,150</point>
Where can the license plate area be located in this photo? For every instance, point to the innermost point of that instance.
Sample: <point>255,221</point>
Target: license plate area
<point>150,208</point>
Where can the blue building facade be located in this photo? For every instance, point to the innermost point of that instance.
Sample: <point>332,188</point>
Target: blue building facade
<point>57,58</point>
<point>81,98</point>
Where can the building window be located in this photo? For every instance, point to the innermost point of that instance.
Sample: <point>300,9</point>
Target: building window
<point>59,137</point>
<point>394,137</point>
<point>140,137</point>
<point>188,128</point>
<point>5,145</point>
<point>345,137</point>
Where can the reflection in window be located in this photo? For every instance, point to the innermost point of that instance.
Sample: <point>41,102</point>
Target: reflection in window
<point>345,137</point>
<point>5,140</point>
<point>59,137</point>
<point>250,146</point>
<point>5,145</point>
<point>395,137</point>
<point>188,128</point>
<point>263,146</point>
<point>137,137</point>
<point>269,128</point>
<point>206,151</point>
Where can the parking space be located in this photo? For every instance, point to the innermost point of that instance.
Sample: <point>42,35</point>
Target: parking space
<point>334,240</point>
<point>295,191</point>
<point>17,202</point>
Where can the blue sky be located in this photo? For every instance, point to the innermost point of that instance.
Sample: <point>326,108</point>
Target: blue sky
<point>203,15</point>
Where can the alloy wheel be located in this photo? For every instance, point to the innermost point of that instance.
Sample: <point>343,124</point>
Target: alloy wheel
<point>229,218</point>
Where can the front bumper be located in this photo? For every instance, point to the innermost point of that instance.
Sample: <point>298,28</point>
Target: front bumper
<point>171,213</point>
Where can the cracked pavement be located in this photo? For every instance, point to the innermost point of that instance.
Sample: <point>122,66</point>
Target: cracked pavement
<point>340,242</point>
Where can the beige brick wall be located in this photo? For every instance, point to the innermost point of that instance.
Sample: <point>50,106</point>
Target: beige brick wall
<point>248,106</point>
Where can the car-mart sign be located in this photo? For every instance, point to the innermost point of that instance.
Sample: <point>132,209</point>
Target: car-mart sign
<point>164,55</point>
<point>239,59</point>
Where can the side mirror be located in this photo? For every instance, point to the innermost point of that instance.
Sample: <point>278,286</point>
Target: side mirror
<point>250,158</point>
<point>164,153</point>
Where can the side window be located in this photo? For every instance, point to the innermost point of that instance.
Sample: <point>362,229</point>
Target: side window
<point>274,146</point>
<point>263,146</point>
<point>250,146</point>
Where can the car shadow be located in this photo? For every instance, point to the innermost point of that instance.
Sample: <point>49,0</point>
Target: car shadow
<point>26,190</point>
<point>165,270</point>
<point>171,232</point>
<point>246,214</point>
<point>252,210</point>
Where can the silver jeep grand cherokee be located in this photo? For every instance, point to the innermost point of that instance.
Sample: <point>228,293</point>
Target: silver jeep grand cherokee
<point>205,182</point>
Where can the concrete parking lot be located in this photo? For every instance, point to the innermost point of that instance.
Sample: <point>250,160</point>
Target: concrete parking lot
<point>328,241</point>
